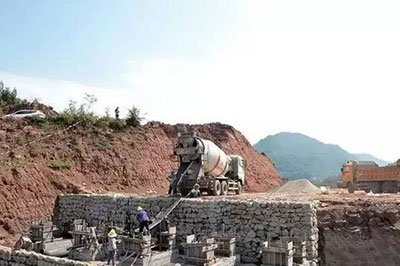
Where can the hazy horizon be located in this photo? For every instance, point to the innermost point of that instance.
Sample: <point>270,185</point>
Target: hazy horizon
<point>329,70</point>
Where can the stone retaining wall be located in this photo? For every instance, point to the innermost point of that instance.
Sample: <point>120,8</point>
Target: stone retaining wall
<point>9,257</point>
<point>251,221</point>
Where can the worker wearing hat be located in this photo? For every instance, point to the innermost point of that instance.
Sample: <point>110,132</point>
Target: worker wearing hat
<point>143,219</point>
<point>112,246</point>
<point>195,192</point>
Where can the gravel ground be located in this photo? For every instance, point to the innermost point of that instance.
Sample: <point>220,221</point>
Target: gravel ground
<point>335,196</point>
<point>297,186</point>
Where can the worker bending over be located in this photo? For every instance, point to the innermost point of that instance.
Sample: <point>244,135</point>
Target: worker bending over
<point>143,220</point>
<point>195,192</point>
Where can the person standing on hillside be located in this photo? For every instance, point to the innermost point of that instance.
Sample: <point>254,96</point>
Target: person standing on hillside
<point>112,246</point>
<point>143,220</point>
<point>117,113</point>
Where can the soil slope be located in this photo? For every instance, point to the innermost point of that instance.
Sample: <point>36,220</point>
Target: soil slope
<point>37,164</point>
<point>360,232</point>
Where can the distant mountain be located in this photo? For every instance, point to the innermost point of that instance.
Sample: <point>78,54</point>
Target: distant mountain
<point>369,157</point>
<point>298,156</point>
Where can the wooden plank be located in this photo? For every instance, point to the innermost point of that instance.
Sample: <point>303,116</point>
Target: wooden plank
<point>205,260</point>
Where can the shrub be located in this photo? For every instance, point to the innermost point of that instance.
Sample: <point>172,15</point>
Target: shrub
<point>60,164</point>
<point>8,98</point>
<point>103,122</point>
<point>118,124</point>
<point>74,114</point>
<point>88,119</point>
<point>83,115</point>
<point>134,117</point>
<point>64,119</point>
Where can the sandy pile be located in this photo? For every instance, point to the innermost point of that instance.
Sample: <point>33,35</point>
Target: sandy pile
<point>296,187</point>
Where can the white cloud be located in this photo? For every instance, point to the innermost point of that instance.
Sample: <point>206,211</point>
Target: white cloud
<point>326,69</point>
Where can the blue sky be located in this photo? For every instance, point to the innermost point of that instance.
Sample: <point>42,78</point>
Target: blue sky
<point>327,69</point>
<point>94,41</point>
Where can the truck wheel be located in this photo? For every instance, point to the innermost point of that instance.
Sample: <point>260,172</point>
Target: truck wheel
<point>389,187</point>
<point>224,186</point>
<point>239,188</point>
<point>217,188</point>
<point>376,187</point>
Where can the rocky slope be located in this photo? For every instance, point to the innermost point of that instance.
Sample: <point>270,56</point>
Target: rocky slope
<point>37,164</point>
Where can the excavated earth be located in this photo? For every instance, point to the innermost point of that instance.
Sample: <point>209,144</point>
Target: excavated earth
<point>361,232</point>
<point>38,163</point>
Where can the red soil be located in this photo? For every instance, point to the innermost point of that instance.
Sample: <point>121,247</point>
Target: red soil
<point>100,160</point>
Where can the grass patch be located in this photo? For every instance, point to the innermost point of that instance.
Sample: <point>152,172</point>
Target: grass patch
<point>102,144</point>
<point>60,164</point>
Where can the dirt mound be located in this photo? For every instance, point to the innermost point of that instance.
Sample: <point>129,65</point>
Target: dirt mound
<point>298,186</point>
<point>32,173</point>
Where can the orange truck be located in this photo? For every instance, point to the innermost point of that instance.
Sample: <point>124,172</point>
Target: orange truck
<point>368,176</point>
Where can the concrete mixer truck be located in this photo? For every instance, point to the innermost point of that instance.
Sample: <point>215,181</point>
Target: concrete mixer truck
<point>204,163</point>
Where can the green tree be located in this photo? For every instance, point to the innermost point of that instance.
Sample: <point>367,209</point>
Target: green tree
<point>134,117</point>
<point>8,97</point>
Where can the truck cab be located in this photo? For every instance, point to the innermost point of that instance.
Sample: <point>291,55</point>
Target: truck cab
<point>237,167</point>
<point>348,172</point>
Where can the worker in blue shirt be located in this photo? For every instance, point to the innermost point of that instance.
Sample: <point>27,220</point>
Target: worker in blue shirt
<point>143,220</point>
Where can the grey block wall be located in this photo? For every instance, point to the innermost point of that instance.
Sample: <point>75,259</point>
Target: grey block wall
<point>9,257</point>
<point>251,221</point>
